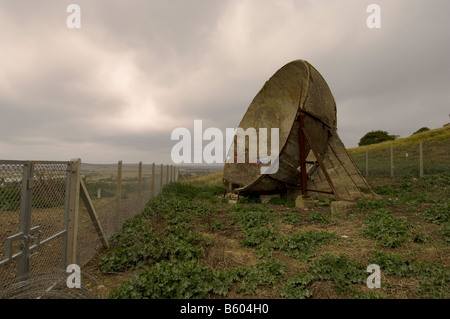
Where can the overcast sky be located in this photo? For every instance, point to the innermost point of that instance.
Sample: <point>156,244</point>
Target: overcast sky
<point>116,88</point>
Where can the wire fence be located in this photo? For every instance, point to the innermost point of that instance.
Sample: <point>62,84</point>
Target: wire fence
<point>118,192</point>
<point>420,159</point>
<point>44,224</point>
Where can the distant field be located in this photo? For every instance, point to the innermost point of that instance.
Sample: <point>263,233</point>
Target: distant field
<point>191,173</point>
<point>205,179</point>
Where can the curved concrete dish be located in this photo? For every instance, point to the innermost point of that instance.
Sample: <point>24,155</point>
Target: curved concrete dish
<point>295,88</point>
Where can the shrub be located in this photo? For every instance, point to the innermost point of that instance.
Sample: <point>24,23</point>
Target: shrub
<point>292,218</point>
<point>388,230</point>
<point>217,225</point>
<point>138,244</point>
<point>438,213</point>
<point>444,231</point>
<point>370,205</point>
<point>422,129</point>
<point>267,272</point>
<point>296,287</point>
<point>252,219</point>
<point>169,280</point>
<point>302,245</point>
<point>375,137</point>
<point>257,236</point>
<point>392,264</point>
<point>434,181</point>
<point>434,281</point>
<point>10,195</point>
<point>343,271</point>
<point>316,217</point>
<point>135,242</point>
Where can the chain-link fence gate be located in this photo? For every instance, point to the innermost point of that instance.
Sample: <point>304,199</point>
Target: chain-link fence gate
<point>34,206</point>
<point>48,219</point>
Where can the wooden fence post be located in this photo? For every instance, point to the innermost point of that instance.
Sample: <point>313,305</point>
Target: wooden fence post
<point>93,214</point>
<point>152,191</point>
<point>72,221</point>
<point>167,174</point>
<point>139,200</point>
<point>118,199</point>
<point>161,178</point>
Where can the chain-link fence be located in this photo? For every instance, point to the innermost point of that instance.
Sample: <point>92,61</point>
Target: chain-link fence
<point>44,226</point>
<point>431,157</point>
<point>118,192</point>
<point>33,221</point>
<point>10,190</point>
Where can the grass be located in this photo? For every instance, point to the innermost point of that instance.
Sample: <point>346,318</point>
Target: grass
<point>208,179</point>
<point>406,154</point>
<point>188,243</point>
<point>389,231</point>
<point>435,135</point>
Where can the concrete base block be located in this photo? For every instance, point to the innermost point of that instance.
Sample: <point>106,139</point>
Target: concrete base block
<point>304,202</point>
<point>232,201</point>
<point>292,194</point>
<point>231,196</point>
<point>343,207</point>
<point>266,198</point>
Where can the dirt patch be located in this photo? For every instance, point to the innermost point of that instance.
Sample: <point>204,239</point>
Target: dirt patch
<point>226,252</point>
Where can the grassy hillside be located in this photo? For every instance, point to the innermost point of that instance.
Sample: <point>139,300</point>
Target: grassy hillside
<point>438,134</point>
<point>436,146</point>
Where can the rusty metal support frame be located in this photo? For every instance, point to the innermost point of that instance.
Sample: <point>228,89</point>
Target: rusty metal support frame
<point>303,139</point>
<point>302,144</point>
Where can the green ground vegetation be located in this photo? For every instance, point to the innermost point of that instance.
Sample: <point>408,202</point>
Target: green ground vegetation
<point>188,242</point>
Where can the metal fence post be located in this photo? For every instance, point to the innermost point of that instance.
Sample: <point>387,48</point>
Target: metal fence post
<point>72,218</point>
<point>23,262</point>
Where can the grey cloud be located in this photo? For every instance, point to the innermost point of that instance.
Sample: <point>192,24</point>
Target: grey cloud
<point>186,63</point>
